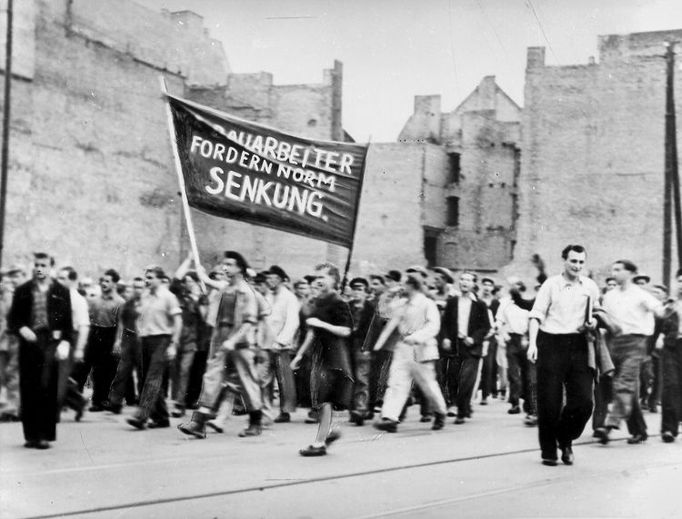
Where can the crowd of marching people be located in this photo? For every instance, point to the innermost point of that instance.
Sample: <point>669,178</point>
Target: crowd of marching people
<point>231,341</point>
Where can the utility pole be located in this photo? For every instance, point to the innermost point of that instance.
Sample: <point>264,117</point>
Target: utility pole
<point>669,181</point>
<point>5,127</point>
<point>671,148</point>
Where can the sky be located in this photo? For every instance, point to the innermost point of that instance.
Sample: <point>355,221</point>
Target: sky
<point>393,50</point>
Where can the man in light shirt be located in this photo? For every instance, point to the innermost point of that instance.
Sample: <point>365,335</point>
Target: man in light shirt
<point>67,390</point>
<point>557,341</point>
<point>633,310</point>
<point>414,357</point>
<point>280,328</point>
<point>512,323</point>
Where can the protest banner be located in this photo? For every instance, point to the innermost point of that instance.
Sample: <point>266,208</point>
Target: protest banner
<point>241,170</point>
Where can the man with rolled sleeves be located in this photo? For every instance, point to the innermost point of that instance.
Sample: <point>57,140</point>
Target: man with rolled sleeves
<point>633,310</point>
<point>99,352</point>
<point>558,343</point>
<point>159,325</point>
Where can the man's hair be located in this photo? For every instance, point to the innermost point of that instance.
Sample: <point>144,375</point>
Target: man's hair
<point>415,282</point>
<point>378,277</point>
<point>610,278</point>
<point>138,279</point>
<point>158,272</point>
<point>115,277</point>
<point>469,273</point>
<point>300,282</point>
<point>394,275</point>
<point>575,248</point>
<point>360,281</point>
<point>487,280</point>
<point>71,273</point>
<point>43,256</point>
<point>239,259</point>
<point>627,265</point>
<point>332,269</point>
<point>193,275</point>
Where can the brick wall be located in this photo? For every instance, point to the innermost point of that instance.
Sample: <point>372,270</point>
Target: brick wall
<point>391,217</point>
<point>91,177</point>
<point>593,160</point>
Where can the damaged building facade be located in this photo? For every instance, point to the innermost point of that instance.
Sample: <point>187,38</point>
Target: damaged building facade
<point>481,187</point>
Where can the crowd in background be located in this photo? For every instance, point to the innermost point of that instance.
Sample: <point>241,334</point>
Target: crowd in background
<point>235,341</point>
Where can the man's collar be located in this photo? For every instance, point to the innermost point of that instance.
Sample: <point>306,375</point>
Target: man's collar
<point>567,282</point>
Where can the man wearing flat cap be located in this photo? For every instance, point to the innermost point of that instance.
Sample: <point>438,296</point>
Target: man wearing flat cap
<point>280,330</point>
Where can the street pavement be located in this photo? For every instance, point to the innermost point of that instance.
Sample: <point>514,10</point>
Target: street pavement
<point>489,467</point>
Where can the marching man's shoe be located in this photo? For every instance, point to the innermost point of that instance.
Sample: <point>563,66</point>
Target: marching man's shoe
<point>567,456</point>
<point>312,450</point>
<point>196,426</point>
<point>667,437</point>
<point>386,425</point>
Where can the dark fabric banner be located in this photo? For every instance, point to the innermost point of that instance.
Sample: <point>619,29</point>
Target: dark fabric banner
<point>244,171</point>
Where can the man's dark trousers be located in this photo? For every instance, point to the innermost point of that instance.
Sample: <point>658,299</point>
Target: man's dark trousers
<point>562,364</point>
<point>467,371</point>
<point>155,376</point>
<point>672,388</point>
<point>489,371</point>
<point>520,371</point>
<point>100,358</point>
<point>38,385</point>
<point>131,359</point>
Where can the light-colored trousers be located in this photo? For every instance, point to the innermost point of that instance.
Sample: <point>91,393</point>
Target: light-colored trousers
<point>405,369</point>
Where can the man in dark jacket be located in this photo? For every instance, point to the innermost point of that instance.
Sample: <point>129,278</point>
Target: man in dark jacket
<point>465,325</point>
<point>41,317</point>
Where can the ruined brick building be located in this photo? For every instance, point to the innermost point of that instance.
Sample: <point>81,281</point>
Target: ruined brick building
<point>592,161</point>
<point>481,187</point>
<point>91,177</point>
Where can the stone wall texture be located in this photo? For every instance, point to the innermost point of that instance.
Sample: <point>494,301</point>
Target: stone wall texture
<point>593,155</point>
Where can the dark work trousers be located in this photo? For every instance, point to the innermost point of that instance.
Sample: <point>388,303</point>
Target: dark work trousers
<point>196,377</point>
<point>181,370</point>
<point>38,387</point>
<point>627,353</point>
<point>378,377</point>
<point>155,376</point>
<point>655,385</point>
<point>603,394</point>
<point>447,371</point>
<point>562,368</point>
<point>280,367</point>
<point>489,371</point>
<point>302,378</point>
<point>468,370</point>
<point>522,375</point>
<point>362,363</point>
<point>131,360</point>
<point>672,387</point>
<point>100,359</point>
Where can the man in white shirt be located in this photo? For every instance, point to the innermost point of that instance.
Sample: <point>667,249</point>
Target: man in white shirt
<point>557,341</point>
<point>512,323</point>
<point>414,357</point>
<point>67,392</point>
<point>280,328</point>
<point>632,310</point>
